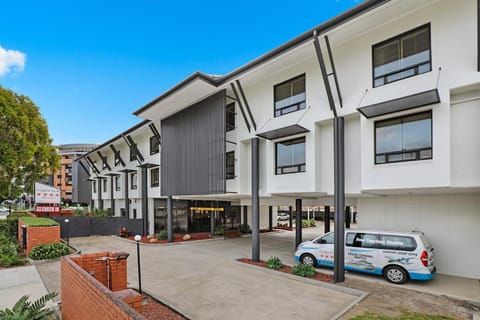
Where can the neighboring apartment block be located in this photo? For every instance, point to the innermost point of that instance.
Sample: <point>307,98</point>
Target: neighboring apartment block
<point>404,77</point>
<point>66,176</point>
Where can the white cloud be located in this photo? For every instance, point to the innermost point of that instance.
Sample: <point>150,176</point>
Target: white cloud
<point>11,61</point>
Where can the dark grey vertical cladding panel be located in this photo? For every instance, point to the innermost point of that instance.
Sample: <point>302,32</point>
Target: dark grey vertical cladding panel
<point>193,149</point>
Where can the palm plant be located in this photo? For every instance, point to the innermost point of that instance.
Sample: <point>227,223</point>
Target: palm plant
<point>26,310</point>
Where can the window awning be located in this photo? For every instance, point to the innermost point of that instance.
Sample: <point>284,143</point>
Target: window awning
<point>283,132</point>
<point>400,104</point>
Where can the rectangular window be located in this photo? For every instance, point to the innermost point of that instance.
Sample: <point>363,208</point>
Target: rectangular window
<point>230,117</point>
<point>133,155</point>
<point>290,156</point>
<point>230,165</point>
<point>401,57</point>
<point>133,181</point>
<point>104,185</point>
<point>289,96</point>
<point>154,177</point>
<point>404,139</point>
<point>154,145</point>
<point>94,186</point>
<point>117,183</point>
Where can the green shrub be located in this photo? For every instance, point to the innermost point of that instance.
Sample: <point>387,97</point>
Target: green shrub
<point>102,213</point>
<point>312,223</point>
<point>9,253</point>
<point>245,228</point>
<point>49,251</point>
<point>303,270</point>
<point>274,263</point>
<point>162,235</point>
<point>305,223</point>
<point>219,230</point>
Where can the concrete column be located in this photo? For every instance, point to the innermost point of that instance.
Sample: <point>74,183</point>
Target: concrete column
<point>270,218</point>
<point>290,214</point>
<point>245,215</point>
<point>145,200</point>
<point>348,217</point>
<point>327,219</point>
<point>339,199</point>
<point>169,219</point>
<point>255,201</point>
<point>212,223</point>
<point>100,201</point>
<point>127,199</point>
<point>112,200</point>
<point>298,222</point>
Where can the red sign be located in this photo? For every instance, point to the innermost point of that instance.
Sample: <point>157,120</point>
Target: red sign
<point>54,209</point>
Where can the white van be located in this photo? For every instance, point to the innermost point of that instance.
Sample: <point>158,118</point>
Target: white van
<point>398,256</point>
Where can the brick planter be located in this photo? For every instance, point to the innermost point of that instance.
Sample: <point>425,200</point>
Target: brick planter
<point>37,235</point>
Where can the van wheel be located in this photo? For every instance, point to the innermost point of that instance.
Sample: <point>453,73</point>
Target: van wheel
<point>308,259</point>
<point>395,274</point>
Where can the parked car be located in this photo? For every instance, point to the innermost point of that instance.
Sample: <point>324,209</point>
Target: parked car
<point>397,256</point>
<point>283,216</point>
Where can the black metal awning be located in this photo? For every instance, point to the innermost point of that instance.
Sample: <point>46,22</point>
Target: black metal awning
<point>283,132</point>
<point>400,104</point>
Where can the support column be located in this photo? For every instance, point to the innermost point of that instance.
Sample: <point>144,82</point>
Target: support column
<point>339,199</point>
<point>245,214</point>
<point>348,217</point>
<point>255,201</point>
<point>112,199</point>
<point>270,218</point>
<point>212,223</point>
<point>327,219</point>
<point>127,199</point>
<point>290,216</point>
<point>145,200</point>
<point>100,201</point>
<point>298,222</point>
<point>169,219</point>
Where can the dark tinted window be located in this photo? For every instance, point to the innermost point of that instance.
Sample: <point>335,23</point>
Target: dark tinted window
<point>361,240</point>
<point>392,242</point>
<point>230,165</point>
<point>290,156</point>
<point>290,96</point>
<point>230,117</point>
<point>154,145</point>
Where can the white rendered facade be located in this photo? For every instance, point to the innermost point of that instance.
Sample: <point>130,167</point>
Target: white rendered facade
<point>439,195</point>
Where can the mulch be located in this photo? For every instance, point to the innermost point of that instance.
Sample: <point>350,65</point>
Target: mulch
<point>177,237</point>
<point>155,310</point>
<point>319,276</point>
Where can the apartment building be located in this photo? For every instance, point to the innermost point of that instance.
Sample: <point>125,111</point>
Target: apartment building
<point>65,178</point>
<point>403,78</point>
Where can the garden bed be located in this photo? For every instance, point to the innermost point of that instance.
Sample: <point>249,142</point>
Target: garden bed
<point>288,269</point>
<point>177,237</point>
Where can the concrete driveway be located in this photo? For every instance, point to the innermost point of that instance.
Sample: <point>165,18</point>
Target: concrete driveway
<point>203,280</point>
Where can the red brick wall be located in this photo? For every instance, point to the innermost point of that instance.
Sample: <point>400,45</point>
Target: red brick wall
<point>87,297</point>
<point>38,235</point>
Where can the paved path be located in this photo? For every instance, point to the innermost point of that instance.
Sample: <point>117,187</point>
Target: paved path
<point>203,281</point>
<point>16,282</point>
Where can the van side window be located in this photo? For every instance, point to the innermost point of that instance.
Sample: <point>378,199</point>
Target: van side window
<point>361,240</point>
<point>392,242</point>
<point>327,239</point>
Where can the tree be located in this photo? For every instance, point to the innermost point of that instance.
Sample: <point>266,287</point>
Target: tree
<point>26,150</point>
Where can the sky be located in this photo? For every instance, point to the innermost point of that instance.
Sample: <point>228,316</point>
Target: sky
<point>89,64</point>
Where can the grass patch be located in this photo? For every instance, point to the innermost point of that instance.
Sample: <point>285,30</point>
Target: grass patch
<point>38,222</point>
<point>404,316</point>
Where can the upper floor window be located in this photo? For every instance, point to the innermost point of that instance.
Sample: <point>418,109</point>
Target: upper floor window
<point>290,156</point>
<point>154,177</point>
<point>401,57</point>
<point>230,165</point>
<point>104,185</point>
<point>405,138</point>
<point>94,186</point>
<point>230,117</point>
<point>133,181</point>
<point>117,158</point>
<point>154,145</point>
<point>117,183</point>
<point>290,96</point>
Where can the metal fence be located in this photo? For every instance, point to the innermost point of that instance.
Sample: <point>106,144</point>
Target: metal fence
<point>96,226</point>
